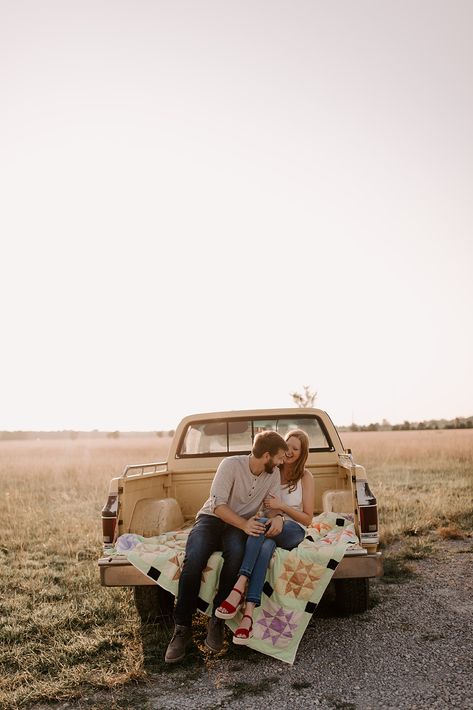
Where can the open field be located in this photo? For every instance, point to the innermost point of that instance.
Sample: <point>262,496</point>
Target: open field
<point>63,636</point>
<point>423,480</point>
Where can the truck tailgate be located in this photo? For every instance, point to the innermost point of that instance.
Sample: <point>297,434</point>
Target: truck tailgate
<point>118,572</point>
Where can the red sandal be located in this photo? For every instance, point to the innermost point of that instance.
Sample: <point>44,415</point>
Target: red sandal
<point>227,610</point>
<point>241,635</point>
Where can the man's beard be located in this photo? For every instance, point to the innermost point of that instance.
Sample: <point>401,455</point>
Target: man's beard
<point>269,467</point>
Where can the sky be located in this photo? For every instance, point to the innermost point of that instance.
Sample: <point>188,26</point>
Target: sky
<point>208,204</point>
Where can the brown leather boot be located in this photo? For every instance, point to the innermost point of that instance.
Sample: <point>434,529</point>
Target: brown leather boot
<point>177,646</point>
<point>215,634</point>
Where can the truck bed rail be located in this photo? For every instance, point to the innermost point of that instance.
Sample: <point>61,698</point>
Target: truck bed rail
<point>139,469</point>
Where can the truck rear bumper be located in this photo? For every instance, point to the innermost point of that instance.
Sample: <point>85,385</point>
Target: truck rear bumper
<point>118,572</point>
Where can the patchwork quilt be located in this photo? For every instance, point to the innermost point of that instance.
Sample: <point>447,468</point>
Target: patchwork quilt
<point>295,580</point>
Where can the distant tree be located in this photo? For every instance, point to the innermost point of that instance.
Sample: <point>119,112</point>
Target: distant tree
<point>306,399</point>
<point>113,434</point>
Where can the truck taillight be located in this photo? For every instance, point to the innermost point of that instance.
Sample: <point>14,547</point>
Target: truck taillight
<point>109,519</point>
<point>368,508</point>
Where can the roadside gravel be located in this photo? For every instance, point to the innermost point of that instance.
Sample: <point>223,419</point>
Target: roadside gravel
<point>412,650</point>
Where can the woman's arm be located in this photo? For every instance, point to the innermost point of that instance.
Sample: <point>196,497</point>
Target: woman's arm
<point>305,516</point>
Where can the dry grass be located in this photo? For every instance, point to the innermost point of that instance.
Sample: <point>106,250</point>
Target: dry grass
<point>423,480</point>
<point>63,636</point>
<point>451,532</point>
<point>61,633</point>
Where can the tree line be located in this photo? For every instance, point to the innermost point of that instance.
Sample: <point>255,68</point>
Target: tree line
<point>457,423</point>
<point>72,434</point>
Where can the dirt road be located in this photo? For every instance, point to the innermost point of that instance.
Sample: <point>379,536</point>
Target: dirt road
<point>413,650</point>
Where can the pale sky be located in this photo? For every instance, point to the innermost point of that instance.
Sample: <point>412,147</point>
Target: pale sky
<point>206,205</point>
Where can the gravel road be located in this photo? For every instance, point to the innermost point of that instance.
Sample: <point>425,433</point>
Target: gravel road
<point>412,650</point>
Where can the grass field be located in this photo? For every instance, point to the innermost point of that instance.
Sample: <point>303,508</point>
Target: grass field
<point>63,636</point>
<point>423,480</point>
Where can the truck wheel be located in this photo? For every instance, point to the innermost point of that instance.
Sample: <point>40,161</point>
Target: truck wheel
<point>352,595</point>
<point>153,603</point>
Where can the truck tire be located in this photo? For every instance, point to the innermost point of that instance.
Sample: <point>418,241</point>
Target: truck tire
<point>153,603</point>
<point>351,595</point>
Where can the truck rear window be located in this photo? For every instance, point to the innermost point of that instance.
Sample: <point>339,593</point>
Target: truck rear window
<point>235,436</point>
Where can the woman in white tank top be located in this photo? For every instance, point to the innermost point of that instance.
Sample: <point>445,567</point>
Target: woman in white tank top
<point>297,484</point>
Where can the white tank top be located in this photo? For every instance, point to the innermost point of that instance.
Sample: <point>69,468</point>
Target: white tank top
<point>294,499</point>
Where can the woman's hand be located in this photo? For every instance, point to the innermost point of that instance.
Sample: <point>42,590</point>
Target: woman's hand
<point>253,527</point>
<point>275,526</point>
<point>272,502</point>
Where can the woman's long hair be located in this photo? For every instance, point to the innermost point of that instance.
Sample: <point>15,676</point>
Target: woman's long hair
<point>299,467</point>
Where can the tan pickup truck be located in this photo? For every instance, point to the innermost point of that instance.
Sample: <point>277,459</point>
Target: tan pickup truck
<point>153,498</point>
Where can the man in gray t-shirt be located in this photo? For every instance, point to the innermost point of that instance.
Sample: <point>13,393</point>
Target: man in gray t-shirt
<point>236,486</point>
<point>223,523</point>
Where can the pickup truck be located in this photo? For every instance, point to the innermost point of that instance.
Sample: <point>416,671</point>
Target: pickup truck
<point>153,498</point>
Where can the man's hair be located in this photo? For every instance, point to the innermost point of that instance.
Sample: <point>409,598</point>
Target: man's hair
<point>268,441</point>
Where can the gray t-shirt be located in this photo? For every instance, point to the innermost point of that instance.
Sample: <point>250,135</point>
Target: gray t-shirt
<point>234,485</point>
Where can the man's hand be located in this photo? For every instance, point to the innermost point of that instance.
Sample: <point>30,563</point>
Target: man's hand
<point>275,526</point>
<point>253,527</point>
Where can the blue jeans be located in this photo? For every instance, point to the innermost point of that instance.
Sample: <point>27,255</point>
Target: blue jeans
<point>258,553</point>
<point>209,534</point>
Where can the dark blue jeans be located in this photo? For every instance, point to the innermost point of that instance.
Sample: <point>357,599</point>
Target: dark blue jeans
<point>209,534</point>
<point>258,553</point>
